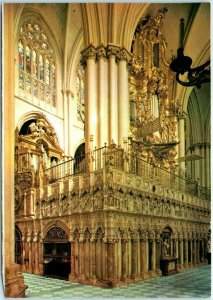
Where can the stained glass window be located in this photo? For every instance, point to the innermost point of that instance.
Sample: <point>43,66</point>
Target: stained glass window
<point>28,84</point>
<point>21,81</point>
<point>21,55</point>
<point>47,69</point>
<point>35,88</point>
<point>53,76</point>
<point>28,59</point>
<point>36,62</point>
<point>80,94</point>
<point>34,71</point>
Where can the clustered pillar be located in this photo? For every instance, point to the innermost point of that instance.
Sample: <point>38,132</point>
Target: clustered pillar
<point>106,95</point>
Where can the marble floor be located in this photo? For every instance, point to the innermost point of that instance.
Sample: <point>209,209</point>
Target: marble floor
<point>191,283</point>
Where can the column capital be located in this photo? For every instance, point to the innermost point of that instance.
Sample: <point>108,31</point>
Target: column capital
<point>67,93</point>
<point>88,52</point>
<point>124,55</point>
<point>112,51</point>
<point>101,52</point>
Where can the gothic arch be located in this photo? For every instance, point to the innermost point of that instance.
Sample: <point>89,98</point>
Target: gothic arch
<point>57,223</point>
<point>30,116</point>
<point>32,13</point>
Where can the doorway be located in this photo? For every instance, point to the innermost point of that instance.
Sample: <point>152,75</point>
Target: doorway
<point>18,246</point>
<point>57,253</point>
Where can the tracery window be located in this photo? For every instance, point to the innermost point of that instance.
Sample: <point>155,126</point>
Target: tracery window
<point>36,63</point>
<point>80,94</point>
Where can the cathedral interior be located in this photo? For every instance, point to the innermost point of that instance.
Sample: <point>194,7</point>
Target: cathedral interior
<point>106,141</point>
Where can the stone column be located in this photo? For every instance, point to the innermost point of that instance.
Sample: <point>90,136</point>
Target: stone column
<point>208,166</point>
<point>176,248</point>
<point>186,251</point>
<point>119,259</point>
<point>71,109</point>
<point>203,177</point>
<point>134,257</point>
<point>129,257</point>
<point>158,255</point>
<point>92,260</point>
<point>181,148</point>
<point>81,260</point>
<point>23,266</point>
<point>147,255</point>
<point>87,258</point>
<point>198,250</point>
<point>72,267</point>
<point>202,250</point>
<point>29,241</point>
<point>197,165</point>
<point>36,254</point>
<point>13,281</point>
<point>91,97</point>
<point>144,265</point>
<point>172,247</point>
<point>40,254</point>
<point>98,251</point>
<point>194,252</point>
<point>77,258</point>
<point>111,271</point>
<point>153,258</point>
<point>124,259</point>
<point>103,115</point>
<point>66,128</point>
<point>123,97</point>
<point>191,251</point>
<point>181,252</point>
<point>113,104</point>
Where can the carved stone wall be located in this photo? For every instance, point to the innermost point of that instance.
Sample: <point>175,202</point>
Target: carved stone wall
<point>114,221</point>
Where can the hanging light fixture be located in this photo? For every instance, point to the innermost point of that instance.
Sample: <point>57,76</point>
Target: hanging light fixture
<point>182,64</point>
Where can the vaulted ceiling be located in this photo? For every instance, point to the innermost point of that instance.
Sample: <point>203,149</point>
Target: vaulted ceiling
<point>76,25</point>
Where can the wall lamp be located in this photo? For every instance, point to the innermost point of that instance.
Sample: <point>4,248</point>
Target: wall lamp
<point>182,64</point>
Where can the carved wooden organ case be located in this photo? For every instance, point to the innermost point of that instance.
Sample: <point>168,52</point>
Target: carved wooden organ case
<point>153,111</point>
<point>36,149</point>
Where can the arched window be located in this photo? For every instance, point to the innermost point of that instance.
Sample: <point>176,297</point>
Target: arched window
<point>80,94</point>
<point>36,63</point>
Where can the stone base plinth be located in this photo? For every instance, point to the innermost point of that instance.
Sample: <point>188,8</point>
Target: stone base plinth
<point>14,282</point>
<point>168,265</point>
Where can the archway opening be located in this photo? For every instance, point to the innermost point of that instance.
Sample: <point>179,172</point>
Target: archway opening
<point>57,254</point>
<point>166,248</point>
<point>79,164</point>
<point>18,245</point>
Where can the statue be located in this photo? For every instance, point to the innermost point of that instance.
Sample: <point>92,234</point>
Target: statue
<point>165,248</point>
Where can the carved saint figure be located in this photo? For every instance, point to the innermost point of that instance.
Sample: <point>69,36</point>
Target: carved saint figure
<point>165,248</point>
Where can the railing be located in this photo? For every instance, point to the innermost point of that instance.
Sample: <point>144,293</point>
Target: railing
<point>205,193</point>
<point>92,161</point>
<point>150,172</point>
<point>112,156</point>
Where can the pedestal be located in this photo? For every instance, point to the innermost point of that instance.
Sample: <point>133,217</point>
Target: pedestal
<point>168,265</point>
